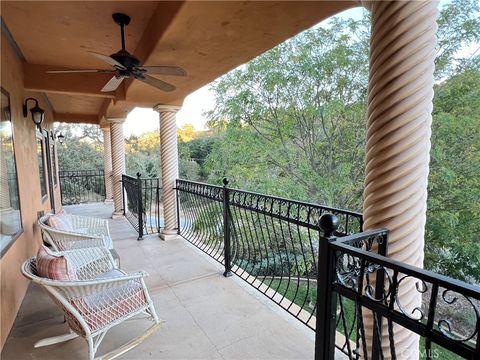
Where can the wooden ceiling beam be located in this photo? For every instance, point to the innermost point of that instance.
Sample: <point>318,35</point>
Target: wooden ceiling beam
<point>76,118</point>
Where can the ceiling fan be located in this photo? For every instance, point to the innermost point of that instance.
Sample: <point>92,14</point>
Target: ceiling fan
<point>127,66</point>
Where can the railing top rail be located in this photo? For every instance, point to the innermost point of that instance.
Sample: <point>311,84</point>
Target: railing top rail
<point>297,202</point>
<point>416,272</point>
<point>352,238</point>
<point>80,171</point>
<point>199,183</point>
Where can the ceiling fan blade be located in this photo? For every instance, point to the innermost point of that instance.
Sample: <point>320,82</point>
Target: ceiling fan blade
<point>113,83</point>
<point>165,70</point>
<point>80,71</point>
<point>108,60</point>
<point>159,84</point>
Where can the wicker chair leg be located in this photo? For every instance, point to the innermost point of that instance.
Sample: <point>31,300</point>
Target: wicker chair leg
<point>91,348</point>
<point>55,339</point>
<point>131,344</point>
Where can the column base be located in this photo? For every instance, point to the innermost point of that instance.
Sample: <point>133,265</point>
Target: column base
<point>117,215</point>
<point>168,234</point>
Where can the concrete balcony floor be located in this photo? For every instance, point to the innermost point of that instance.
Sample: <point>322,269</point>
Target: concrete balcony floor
<point>206,315</point>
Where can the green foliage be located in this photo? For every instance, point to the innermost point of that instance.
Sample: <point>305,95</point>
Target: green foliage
<point>458,28</point>
<point>82,149</point>
<point>142,154</point>
<point>453,217</point>
<point>295,117</point>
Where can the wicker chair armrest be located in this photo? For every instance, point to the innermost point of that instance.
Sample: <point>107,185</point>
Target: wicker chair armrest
<point>82,288</point>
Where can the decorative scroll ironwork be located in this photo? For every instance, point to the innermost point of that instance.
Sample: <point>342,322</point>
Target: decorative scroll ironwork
<point>212,192</point>
<point>448,319</point>
<point>143,204</point>
<point>273,241</point>
<point>82,186</point>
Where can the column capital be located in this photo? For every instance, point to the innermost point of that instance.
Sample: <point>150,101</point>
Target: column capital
<point>105,128</point>
<point>166,108</point>
<point>115,120</point>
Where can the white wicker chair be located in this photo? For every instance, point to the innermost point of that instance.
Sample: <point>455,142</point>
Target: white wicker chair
<point>104,296</point>
<point>88,232</point>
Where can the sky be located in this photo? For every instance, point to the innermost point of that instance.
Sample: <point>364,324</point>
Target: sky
<point>142,120</point>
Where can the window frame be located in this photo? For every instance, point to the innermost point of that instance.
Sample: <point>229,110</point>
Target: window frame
<point>39,136</point>
<point>53,156</point>
<point>6,247</point>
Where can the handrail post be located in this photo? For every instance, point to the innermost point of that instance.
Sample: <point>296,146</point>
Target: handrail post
<point>379,290</point>
<point>226,230</point>
<point>140,206</point>
<point>326,299</point>
<point>123,195</point>
<point>178,206</point>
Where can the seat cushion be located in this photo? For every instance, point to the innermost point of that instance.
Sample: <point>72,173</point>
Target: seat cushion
<point>101,309</point>
<point>60,221</point>
<point>55,267</point>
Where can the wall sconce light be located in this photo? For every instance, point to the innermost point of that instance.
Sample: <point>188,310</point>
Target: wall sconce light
<point>60,138</point>
<point>38,113</point>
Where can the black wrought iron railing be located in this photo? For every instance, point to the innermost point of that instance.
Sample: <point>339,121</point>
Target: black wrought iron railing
<point>368,307</point>
<point>81,186</point>
<point>329,274</point>
<point>270,242</point>
<point>142,204</point>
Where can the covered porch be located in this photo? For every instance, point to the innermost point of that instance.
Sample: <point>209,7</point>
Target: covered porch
<point>206,315</point>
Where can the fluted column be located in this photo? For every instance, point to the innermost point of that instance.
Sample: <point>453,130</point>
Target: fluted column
<point>402,52</point>
<point>169,157</point>
<point>107,164</point>
<point>118,163</point>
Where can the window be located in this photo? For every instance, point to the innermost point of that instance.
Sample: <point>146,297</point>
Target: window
<point>10,216</point>
<point>41,166</point>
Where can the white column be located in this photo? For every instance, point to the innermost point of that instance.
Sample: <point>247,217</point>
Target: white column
<point>107,164</point>
<point>118,163</point>
<point>402,52</point>
<point>169,157</point>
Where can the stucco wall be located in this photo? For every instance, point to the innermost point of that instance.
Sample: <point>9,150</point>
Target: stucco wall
<point>13,285</point>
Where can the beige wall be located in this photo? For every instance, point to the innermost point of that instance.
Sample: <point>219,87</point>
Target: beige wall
<point>13,285</point>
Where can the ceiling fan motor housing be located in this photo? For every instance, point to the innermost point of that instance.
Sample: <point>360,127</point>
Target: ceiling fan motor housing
<point>126,59</point>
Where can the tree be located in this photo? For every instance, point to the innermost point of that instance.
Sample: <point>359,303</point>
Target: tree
<point>300,108</point>
<point>186,133</point>
<point>458,29</point>
<point>453,216</point>
<point>82,149</point>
